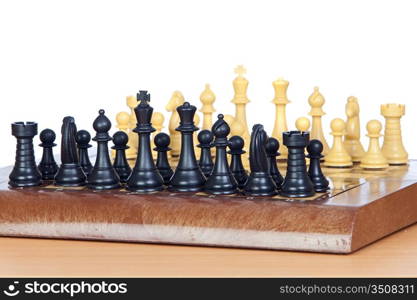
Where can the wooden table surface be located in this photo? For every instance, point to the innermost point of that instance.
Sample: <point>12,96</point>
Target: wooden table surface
<point>395,255</point>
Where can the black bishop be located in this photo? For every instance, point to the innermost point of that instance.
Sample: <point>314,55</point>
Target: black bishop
<point>103,176</point>
<point>221,180</point>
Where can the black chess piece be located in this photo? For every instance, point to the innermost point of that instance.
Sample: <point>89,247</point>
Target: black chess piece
<point>83,139</point>
<point>236,144</point>
<point>47,166</point>
<point>143,96</point>
<point>120,164</point>
<point>103,176</point>
<point>297,183</point>
<point>320,182</point>
<point>162,141</point>
<point>70,172</point>
<point>25,173</point>
<point>271,148</point>
<point>221,180</point>
<point>188,176</point>
<point>205,138</point>
<point>260,182</point>
<point>145,176</point>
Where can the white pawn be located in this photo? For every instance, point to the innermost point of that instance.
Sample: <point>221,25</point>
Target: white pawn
<point>374,158</point>
<point>303,124</point>
<point>122,123</point>
<point>338,157</point>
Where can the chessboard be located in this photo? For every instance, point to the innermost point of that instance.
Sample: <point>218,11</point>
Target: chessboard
<point>360,208</point>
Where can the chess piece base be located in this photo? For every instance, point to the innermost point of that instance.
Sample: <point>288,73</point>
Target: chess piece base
<point>166,174</point>
<point>187,181</point>
<point>24,183</point>
<point>221,185</point>
<point>296,195</point>
<point>103,187</point>
<point>70,175</point>
<point>374,166</point>
<point>338,166</point>
<point>48,173</point>
<point>184,189</point>
<point>260,184</point>
<point>145,181</point>
<point>25,177</point>
<point>241,177</point>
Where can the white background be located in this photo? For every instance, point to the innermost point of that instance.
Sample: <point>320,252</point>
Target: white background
<point>61,58</point>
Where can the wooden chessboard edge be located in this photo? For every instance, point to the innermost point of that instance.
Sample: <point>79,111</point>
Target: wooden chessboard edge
<point>384,217</point>
<point>221,237</point>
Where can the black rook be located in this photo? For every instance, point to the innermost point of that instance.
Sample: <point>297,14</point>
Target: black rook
<point>297,183</point>
<point>25,172</point>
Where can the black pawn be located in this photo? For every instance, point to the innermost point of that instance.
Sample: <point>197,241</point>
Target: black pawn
<point>221,180</point>
<point>260,182</point>
<point>205,138</point>
<point>120,163</point>
<point>103,176</point>
<point>25,173</point>
<point>188,176</point>
<point>236,144</point>
<point>162,141</point>
<point>83,139</point>
<point>145,177</point>
<point>47,166</point>
<point>297,183</point>
<point>70,172</point>
<point>321,184</point>
<point>272,146</point>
